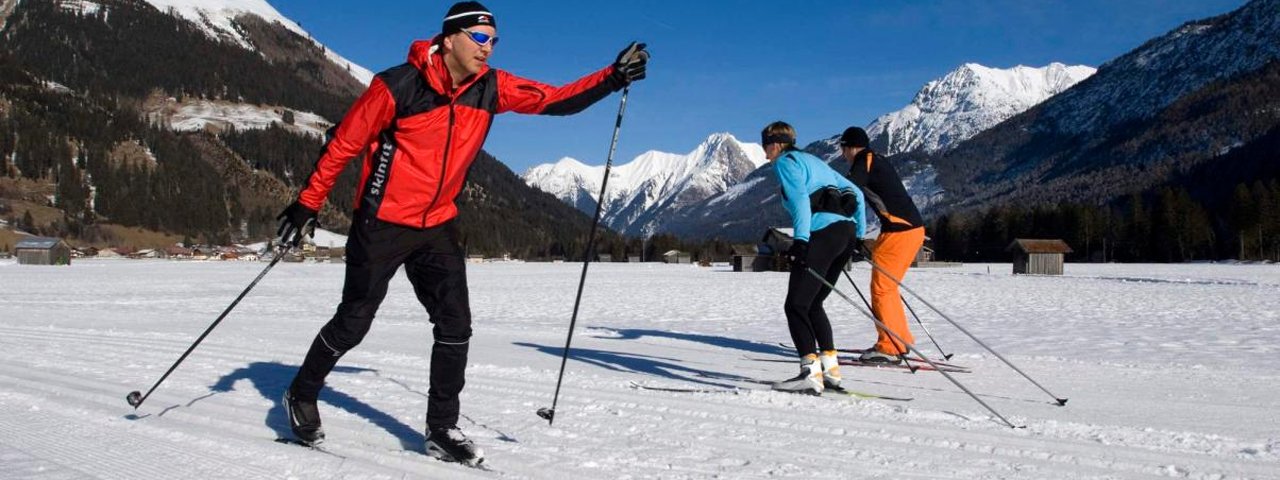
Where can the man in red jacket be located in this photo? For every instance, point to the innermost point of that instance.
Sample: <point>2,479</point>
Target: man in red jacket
<point>421,124</point>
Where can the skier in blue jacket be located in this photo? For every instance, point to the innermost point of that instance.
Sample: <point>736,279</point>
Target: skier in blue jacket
<point>828,219</point>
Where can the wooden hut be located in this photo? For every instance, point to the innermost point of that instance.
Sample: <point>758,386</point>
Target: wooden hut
<point>1038,257</point>
<point>42,251</point>
<point>749,258</point>
<point>676,256</point>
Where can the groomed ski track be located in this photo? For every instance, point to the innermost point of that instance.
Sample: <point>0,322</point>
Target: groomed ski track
<point>74,341</point>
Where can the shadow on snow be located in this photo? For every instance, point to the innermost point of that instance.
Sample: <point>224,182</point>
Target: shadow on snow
<point>271,380</point>
<point>644,364</point>
<point>723,342</point>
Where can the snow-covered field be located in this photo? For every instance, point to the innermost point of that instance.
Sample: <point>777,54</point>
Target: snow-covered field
<point>1171,371</point>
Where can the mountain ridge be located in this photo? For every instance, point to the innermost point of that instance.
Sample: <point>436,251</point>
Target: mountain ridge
<point>651,183</point>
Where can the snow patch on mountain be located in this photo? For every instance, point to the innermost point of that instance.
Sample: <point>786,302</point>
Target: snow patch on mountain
<point>217,18</point>
<point>56,87</point>
<point>197,115</point>
<point>967,101</point>
<point>81,7</point>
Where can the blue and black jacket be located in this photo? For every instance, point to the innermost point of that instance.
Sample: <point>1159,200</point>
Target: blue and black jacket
<point>816,195</point>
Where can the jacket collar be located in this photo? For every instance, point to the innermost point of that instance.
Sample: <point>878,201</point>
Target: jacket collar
<point>427,56</point>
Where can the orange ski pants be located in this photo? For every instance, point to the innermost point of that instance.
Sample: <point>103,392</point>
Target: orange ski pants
<point>894,252</point>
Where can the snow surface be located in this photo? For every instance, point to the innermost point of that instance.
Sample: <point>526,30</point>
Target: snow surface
<point>1171,371</point>
<point>216,17</point>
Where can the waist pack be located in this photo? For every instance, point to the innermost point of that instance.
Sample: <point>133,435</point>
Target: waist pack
<point>834,200</point>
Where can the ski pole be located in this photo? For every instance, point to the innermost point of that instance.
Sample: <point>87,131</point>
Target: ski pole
<point>913,348</point>
<point>1061,401</point>
<point>901,356</point>
<point>945,355</point>
<point>550,413</point>
<point>135,398</point>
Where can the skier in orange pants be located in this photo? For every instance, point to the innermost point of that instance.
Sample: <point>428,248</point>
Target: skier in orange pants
<point>901,236</point>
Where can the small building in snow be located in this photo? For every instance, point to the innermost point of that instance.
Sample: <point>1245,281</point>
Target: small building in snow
<point>749,258</point>
<point>42,251</point>
<point>1038,257</point>
<point>676,256</point>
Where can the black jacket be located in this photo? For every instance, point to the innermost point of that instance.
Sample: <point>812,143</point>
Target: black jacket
<point>885,193</point>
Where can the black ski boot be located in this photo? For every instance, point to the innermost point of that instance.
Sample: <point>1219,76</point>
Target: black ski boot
<point>450,445</point>
<point>304,419</point>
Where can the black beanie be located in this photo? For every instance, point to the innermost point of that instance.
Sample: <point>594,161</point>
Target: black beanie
<point>854,137</point>
<point>466,15</point>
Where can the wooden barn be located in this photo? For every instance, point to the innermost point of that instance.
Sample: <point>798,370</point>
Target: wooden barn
<point>42,251</point>
<point>1038,257</point>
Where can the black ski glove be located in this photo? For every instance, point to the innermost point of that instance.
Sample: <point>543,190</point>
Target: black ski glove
<point>797,254</point>
<point>630,64</point>
<point>296,221</point>
<point>858,251</point>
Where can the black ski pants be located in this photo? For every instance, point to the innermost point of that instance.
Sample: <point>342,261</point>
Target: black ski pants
<point>829,251</point>
<point>434,261</point>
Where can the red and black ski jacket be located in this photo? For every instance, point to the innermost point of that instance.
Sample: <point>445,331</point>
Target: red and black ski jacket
<point>422,134</point>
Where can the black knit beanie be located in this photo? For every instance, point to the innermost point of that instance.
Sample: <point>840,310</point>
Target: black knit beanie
<point>854,137</point>
<point>466,15</point>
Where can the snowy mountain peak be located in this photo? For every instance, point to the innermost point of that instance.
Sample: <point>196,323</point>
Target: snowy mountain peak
<point>641,191</point>
<point>217,18</point>
<point>968,100</point>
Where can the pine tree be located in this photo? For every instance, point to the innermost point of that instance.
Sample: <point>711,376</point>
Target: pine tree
<point>28,223</point>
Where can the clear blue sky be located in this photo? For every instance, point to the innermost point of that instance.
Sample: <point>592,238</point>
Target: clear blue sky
<point>721,66</point>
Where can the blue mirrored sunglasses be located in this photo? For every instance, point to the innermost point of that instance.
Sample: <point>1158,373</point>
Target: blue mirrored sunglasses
<point>482,38</point>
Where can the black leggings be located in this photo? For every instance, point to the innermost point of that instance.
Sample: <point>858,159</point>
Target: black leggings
<point>434,263</point>
<point>829,251</point>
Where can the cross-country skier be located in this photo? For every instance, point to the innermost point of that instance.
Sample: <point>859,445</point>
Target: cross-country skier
<point>421,124</point>
<point>827,218</point>
<point>901,235</point>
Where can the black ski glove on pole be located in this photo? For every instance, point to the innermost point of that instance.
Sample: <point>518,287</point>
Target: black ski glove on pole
<point>630,65</point>
<point>296,221</point>
<point>797,254</point>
